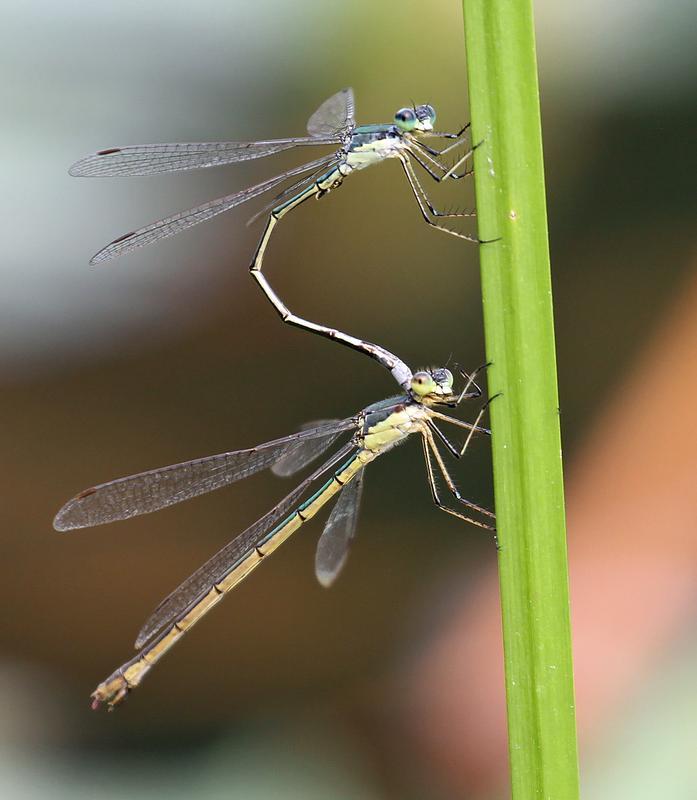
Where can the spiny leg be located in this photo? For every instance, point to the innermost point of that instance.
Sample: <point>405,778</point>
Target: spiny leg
<point>433,158</point>
<point>435,162</point>
<point>456,452</point>
<point>439,433</point>
<point>448,173</point>
<point>450,482</point>
<point>459,163</point>
<point>434,491</point>
<point>431,164</point>
<point>425,199</point>
<point>476,422</point>
<point>460,424</point>
<point>465,394</point>
<point>439,134</point>
<point>413,182</point>
<point>471,427</point>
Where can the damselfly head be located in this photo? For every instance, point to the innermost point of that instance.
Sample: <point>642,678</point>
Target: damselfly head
<point>418,118</point>
<point>432,384</point>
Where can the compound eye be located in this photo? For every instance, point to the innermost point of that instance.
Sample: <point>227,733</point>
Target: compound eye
<point>422,383</point>
<point>405,119</point>
<point>426,112</point>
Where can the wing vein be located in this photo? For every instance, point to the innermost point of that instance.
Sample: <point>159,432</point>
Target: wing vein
<point>188,593</point>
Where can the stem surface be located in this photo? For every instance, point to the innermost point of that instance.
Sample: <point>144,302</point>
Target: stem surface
<point>528,483</point>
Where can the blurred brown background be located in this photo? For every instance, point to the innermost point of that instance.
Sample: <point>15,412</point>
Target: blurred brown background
<point>290,690</point>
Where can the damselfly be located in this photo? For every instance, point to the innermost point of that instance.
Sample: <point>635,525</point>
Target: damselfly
<point>332,124</point>
<point>372,432</point>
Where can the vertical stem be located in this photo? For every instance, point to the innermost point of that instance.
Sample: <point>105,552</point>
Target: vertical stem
<point>517,299</point>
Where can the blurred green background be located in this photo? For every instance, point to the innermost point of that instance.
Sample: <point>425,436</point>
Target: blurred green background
<point>288,690</point>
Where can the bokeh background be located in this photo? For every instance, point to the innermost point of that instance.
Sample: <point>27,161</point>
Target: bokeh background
<point>389,685</point>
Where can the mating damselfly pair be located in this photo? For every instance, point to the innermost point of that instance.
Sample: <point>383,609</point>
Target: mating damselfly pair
<point>370,433</point>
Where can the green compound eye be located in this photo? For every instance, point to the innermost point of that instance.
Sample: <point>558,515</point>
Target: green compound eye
<point>422,384</point>
<point>446,380</point>
<point>406,119</point>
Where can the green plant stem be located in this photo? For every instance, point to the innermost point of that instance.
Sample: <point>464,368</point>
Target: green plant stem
<point>517,299</point>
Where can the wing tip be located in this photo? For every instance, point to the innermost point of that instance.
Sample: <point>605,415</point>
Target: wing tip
<point>60,523</point>
<point>63,522</point>
<point>325,578</point>
<point>144,636</point>
<point>97,258</point>
<point>108,252</point>
<point>81,168</point>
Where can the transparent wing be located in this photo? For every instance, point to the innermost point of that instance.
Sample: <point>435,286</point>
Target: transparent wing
<point>185,219</point>
<point>338,533</point>
<point>214,570</point>
<point>307,451</point>
<point>334,117</point>
<point>150,159</point>
<point>158,488</point>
